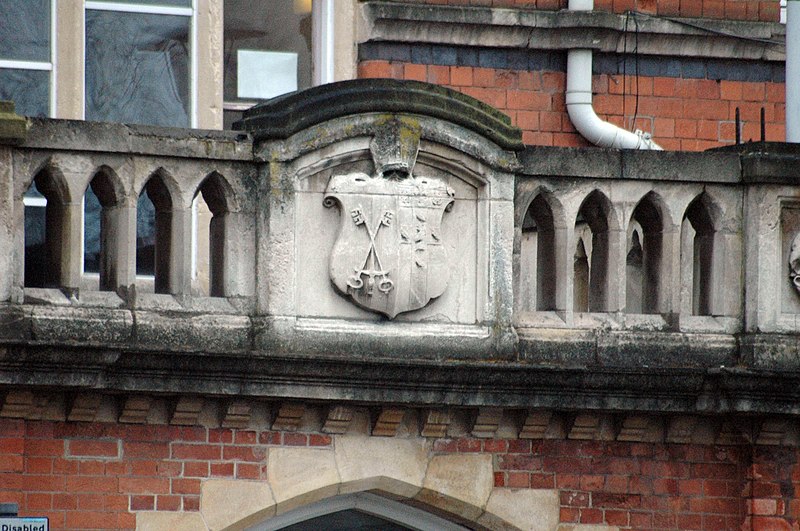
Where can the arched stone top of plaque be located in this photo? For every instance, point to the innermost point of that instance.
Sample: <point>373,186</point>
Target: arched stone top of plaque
<point>286,115</point>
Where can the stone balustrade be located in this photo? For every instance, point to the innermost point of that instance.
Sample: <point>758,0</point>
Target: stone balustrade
<point>364,246</point>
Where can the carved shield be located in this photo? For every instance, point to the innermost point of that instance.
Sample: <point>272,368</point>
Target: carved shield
<point>389,256</point>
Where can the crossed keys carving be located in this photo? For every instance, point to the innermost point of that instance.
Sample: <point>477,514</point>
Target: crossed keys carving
<point>371,268</point>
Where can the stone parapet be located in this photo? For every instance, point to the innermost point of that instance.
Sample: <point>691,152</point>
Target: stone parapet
<point>390,257</point>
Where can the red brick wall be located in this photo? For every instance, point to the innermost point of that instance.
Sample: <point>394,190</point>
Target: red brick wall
<point>763,10</point>
<point>630,485</point>
<point>94,475</point>
<point>682,114</point>
<point>97,476</point>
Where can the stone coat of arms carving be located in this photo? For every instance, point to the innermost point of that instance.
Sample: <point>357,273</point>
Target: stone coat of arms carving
<point>794,263</point>
<point>389,256</point>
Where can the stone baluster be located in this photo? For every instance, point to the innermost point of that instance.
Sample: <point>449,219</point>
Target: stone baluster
<point>180,254</point>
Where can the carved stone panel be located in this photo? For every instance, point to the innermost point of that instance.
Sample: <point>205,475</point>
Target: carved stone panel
<point>389,256</point>
<point>790,259</point>
<point>388,233</point>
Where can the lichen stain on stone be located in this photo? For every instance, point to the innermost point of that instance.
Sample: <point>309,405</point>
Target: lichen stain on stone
<point>278,181</point>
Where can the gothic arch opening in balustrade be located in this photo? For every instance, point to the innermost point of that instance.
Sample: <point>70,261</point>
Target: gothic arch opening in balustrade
<point>100,231</point>
<point>594,223</point>
<point>538,269</point>
<point>45,203</point>
<point>698,247</point>
<point>154,232</point>
<point>212,199</point>
<point>644,259</point>
<point>580,275</point>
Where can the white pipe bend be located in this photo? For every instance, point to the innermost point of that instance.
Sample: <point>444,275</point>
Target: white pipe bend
<point>793,71</point>
<point>579,101</point>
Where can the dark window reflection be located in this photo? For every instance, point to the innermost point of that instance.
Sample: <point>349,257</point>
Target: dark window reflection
<point>28,89</point>
<point>264,25</point>
<point>25,30</point>
<point>137,68</point>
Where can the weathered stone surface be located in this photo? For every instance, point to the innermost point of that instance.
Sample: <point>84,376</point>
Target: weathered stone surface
<point>289,416</point>
<point>435,423</point>
<point>87,326</point>
<point>224,333</point>
<point>364,464</point>
<point>13,127</point>
<point>128,138</point>
<point>84,407</point>
<point>187,411</point>
<point>337,419</point>
<point>231,504</point>
<point>237,415</point>
<point>15,323</point>
<point>388,421</point>
<point>169,521</point>
<point>301,476</point>
<point>524,509</point>
<point>460,484</point>
<point>136,409</point>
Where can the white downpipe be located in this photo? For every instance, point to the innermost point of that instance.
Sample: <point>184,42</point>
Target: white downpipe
<point>579,100</point>
<point>793,71</point>
<point>323,41</point>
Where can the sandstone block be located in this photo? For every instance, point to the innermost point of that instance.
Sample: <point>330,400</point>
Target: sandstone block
<point>460,484</point>
<point>396,466</point>
<point>225,502</point>
<point>529,510</point>
<point>299,476</point>
<point>169,521</point>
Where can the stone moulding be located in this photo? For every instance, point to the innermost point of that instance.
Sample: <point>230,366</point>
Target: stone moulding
<point>557,30</point>
<point>286,115</point>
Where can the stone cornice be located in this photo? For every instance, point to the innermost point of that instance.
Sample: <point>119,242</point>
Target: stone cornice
<point>603,371</point>
<point>560,30</point>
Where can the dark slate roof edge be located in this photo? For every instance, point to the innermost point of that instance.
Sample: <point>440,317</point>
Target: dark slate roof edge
<point>285,115</point>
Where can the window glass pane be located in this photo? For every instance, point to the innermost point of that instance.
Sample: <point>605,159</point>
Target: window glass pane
<point>171,3</point>
<point>137,68</point>
<point>266,26</point>
<point>25,30</point>
<point>28,89</point>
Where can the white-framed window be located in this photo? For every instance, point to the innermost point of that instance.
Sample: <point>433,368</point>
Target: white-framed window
<point>141,62</point>
<point>27,55</point>
<point>271,48</point>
